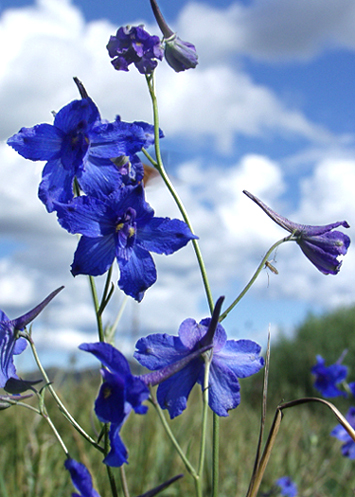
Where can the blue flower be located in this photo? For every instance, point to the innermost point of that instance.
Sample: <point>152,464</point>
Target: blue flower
<point>120,392</point>
<point>79,145</point>
<point>287,486</point>
<point>180,55</point>
<point>121,226</point>
<point>339,432</point>
<point>81,479</point>
<point>231,360</point>
<point>328,376</point>
<point>11,344</point>
<point>135,45</point>
<point>320,244</point>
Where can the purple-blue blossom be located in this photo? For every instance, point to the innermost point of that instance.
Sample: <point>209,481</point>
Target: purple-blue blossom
<point>339,432</point>
<point>134,45</point>
<point>81,478</point>
<point>100,155</point>
<point>180,55</point>
<point>11,344</point>
<point>232,359</point>
<point>320,244</point>
<point>287,487</point>
<point>120,393</point>
<point>121,226</point>
<point>327,378</point>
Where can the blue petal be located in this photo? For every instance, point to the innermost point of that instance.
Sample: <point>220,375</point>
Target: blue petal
<point>164,235</point>
<point>109,356</point>
<point>137,273</point>
<point>136,393</point>
<point>223,393</point>
<point>173,393</point>
<point>81,478</point>
<point>77,115</point>
<point>109,405</point>
<point>240,356</point>
<point>99,177</point>
<point>93,256</point>
<point>159,350</point>
<point>56,184</point>
<point>118,454</point>
<point>88,216</point>
<point>42,142</point>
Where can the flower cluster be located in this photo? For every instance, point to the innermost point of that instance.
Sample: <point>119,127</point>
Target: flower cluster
<point>327,377</point>
<point>115,221</point>
<point>287,487</point>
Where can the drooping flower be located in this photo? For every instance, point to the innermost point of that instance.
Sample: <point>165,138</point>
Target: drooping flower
<point>327,377</point>
<point>120,392</point>
<point>81,479</point>
<point>121,226</point>
<point>320,244</point>
<point>180,55</point>
<point>287,487</point>
<point>79,145</point>
<point>232,359</point>
<point>339,432</point>
<point>11,344</point>
<point>134,45</point>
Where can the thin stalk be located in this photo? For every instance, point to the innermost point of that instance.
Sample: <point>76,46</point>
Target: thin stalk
<point>95,299</point>
<point>124,482</point>
<point>170,434</point>
<point>207,356</point>
<point>160,167</point>
<point>255,275</point>
<point>55,431</point>
<point>59,403</point>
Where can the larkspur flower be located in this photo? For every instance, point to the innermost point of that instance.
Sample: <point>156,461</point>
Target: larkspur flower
<point>122,226</point>
<point>232,359</point>
<point>327,377</point>
<point>134,45</point>
<point>339,432</point>
<point>11,344</point>
<point>120,393</point>
<point>320,244</point>
<point>180,55</point>
<point>287,487</point>
<point>81,479</point>
<point>79,145</point>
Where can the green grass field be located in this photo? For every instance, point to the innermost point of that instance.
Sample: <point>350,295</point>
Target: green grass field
<point>31,460</point>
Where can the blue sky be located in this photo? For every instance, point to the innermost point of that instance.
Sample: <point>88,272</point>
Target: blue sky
<point>270,108</point>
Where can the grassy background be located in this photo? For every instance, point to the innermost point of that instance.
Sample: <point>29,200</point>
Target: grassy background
<point>31,461</point>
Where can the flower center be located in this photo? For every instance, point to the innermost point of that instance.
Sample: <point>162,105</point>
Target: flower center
<point>126,228</point>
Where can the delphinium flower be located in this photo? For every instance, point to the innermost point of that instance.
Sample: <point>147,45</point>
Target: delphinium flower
<point>11,344</point>
<point>121,226</point>
<point>81,479</point>
<point>287,487</point>
<point>327,377</point>
<point>339,432</point>
<point>320,244</point>
<point>120,392</point>
<point>79,145</point>
<point>180,55</point>
<point>134,45</point>
<point>232,359</point>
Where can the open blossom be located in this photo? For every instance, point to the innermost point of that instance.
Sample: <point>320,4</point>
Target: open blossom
<point>179,54</point>
<point>11,344</point>
<point>79,145</point>
<point>232,359</point>
<point>121,226</point>
<point>81,479</point>
<point>134,45</point>
<point>339,432</point>
<point>320,244</point>
<point>327,377</point>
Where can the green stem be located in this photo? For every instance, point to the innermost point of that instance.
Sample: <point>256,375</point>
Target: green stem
<point>170,434</point>
<point>60,404</point>
<point>97,308</point>
<point>160,167</point>
<point>255,275</point>
<point>215,456</point>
